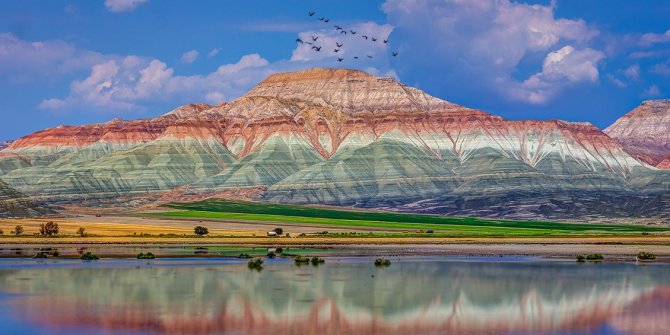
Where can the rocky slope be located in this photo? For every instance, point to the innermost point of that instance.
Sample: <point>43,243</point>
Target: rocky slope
<point>15,204</point>
<point>645,132</point>
<point>344,137</point>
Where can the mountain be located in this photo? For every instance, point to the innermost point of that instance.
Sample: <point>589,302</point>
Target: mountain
<point>4,144</point>
<point>645,132</point>
<point>15,204</point>
<point>344,137</point>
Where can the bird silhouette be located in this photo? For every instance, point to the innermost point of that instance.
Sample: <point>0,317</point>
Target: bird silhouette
<point>311,13</point>
<point>326,20</point>
<point>340,59</point>
<point>338,44</point>
<point>299,41</point>
<point>374,39</point>
<point>343,32</point>
<point>395,53</point>
<point>355,57</point>
<point>314,38</point>
<point>337,50</point>
<point>314,47</point>
<point>369,56</point>
<point>310,43</point>
<point>337,27</point>
<point>365,37</point>
<point>322,18</point>
<point>386,41</point>
<point>352,32</point>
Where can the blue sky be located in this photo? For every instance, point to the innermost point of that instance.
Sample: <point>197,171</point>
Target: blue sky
<point>76,62</point>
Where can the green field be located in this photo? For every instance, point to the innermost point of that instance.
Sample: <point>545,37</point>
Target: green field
<point>442,225</point>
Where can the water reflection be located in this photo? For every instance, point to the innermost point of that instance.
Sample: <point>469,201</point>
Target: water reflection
<point>428,296</point>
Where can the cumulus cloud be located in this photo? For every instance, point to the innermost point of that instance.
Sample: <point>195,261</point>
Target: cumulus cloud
<point>26,61</point>
<point>120,6</point>
<point>479,46</point>
<point>661,68</point>
<point>189,57</point>
<point>633,72</point>
<point>652,92</point>
<point>650,39</point>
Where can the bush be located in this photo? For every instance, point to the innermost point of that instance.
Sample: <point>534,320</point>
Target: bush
<point>18,230</point>
<point>316,261</point>
<point>301,260</point>
<point>255,264</point>
<point>244,256</point>
<point>48,229</point>
<point>148,255</point>
<point>271,254</point>
<point>581,259</point>
<point>2,232</point>
<point>81,231</point>
<point>430,231</point>
<point>89,256</point>
<point>40,255</point>
<point>594,257</point>
<point>278,230</point>
<point>382,262</point>
<point>200,230</point>
<point>645,256</point>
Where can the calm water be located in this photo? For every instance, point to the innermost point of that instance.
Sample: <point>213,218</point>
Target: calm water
<point>436,295</point>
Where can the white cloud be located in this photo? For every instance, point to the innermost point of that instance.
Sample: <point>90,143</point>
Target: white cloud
<point>119,6</point>
<point>213,52</point>
<point>661,68</point>
<point>652,92</point>
<point>478,46</point>
<point>617,82</point>
<point>26,61</point>
<point>650,39</point>
<point>561,68</point>
<point>189,57</point>
<point>633,72</point>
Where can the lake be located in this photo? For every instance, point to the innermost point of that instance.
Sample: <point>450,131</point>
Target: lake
<point>346,295</point>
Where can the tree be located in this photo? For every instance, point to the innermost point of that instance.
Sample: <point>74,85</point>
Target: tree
<point>200,230</point>
<point>81,231</point>
<point>18,230</point>
<point>279,231</point>
<point>49,228</point>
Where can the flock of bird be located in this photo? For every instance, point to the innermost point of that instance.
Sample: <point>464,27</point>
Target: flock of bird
<point>343,31</point>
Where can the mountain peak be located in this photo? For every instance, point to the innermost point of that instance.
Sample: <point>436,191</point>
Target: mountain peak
<point>317,73</point>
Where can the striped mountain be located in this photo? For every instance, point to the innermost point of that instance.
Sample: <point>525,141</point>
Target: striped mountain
<point>344,137</point>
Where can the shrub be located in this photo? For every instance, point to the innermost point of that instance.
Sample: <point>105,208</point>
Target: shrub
<point>581,259</point>
<point>18,230</point>
<point>594,257</point>
<point>81,231</point>
<point>244,256</point>
<point>200,230</point>
<point>278,230</point>
<point>148,255</point>
<point>48,229</point>
<point>40,255</point>
<point>430,231</point>
<point>645,256</point>
<point>316,261</point>
<point>255,264</point>
<point>2,232</point>
<point>271,254</point>
<point>301,260</point>
<point>382,262</point>
<point>89,256</point>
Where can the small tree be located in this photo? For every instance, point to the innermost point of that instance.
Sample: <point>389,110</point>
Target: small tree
<point>278,230</point>
<point>2,232</point>
<point>48,229</point>
<point>18,230</point>
<point>81,231</point>
<point>200,230</point>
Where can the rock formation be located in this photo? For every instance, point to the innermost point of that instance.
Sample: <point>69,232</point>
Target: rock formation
<point>645,132</point>
<point>15,204</point>
<point>344,137</point>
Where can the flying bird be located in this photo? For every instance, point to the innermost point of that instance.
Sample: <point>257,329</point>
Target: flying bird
<point>310,43</point>
<point>352,32</point>
<point>374,39</point>
<point>395,53</point>
<point>386,41</point>
<point>311,13</point>
<point>369,56</point>
<point>365,37</point>
<point>338,44</point>
<point>299,41</point>
<point>355,57</point>
<point>343,32</point>
<point>337,50</point>
<point>326,20</point>
<point>322,18</point>
<point>314,38</point>
<point>316,48</point>
<point>340,59</point>
<point>337,27</point>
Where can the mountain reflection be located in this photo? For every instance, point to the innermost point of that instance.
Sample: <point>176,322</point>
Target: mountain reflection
<point>348,297</point>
